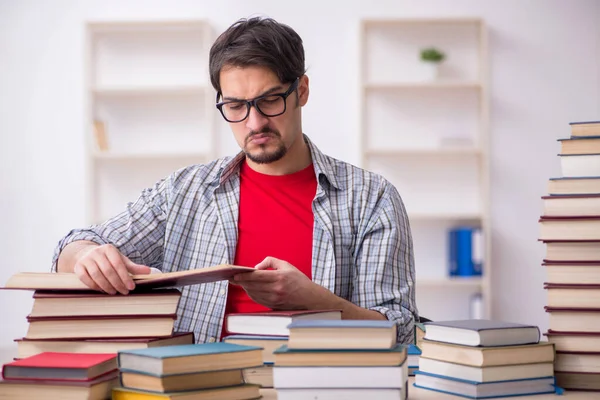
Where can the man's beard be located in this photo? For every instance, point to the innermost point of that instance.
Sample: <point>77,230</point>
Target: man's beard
<point>266,157</point>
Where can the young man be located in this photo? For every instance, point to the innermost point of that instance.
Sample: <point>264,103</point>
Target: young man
<point>322,234</point>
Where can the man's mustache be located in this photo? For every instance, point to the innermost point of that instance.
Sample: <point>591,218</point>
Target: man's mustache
<point>265,131</point>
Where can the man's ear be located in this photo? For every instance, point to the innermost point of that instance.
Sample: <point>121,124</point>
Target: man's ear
<point>303,91</point>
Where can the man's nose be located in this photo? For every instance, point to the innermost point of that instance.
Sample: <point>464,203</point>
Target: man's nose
<point>256,121</point>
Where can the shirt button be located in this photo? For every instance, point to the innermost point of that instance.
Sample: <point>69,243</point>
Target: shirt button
<point>211,340</point>
<point>222,292</point>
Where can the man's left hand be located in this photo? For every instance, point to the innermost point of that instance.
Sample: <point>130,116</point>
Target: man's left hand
<point>277,284</point>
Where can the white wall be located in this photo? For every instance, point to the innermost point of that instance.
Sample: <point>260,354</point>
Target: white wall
<point>545,62</point>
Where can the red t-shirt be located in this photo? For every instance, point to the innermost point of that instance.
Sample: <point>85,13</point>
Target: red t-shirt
<point>276,220</point>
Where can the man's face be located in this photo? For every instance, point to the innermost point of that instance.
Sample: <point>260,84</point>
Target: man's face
<point>264,139</point>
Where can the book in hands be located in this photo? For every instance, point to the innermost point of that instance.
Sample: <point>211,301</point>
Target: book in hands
<point>70,281</point>
<point>482,332</point>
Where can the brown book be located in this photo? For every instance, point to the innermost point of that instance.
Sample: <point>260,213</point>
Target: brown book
<point>268,343</point>
<point>573,295</point>
<point>585,128</point>
<point>574,341</point>
<point>574,185</point>
<point>181,382</point>
<point>578,380</point>
<point>577,362</point>
<point>70,281</point>
<point>573,272</point>
<point>572,250</point>
<point>29,347</point>
<point>88,303</point>
<point>100,326</point>
<point>571,205</point>
<point>262,376</point>
<point>565,320</point>
<point>570,228</point>
<point>488,356</point>
<point>580,145</point>
<point>97,389</point>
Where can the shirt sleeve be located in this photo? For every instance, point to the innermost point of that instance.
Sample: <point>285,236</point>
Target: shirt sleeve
<point>138,232</point>
<point>385,278</point>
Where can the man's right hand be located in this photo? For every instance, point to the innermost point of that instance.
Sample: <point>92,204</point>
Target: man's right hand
<point>105,268</point>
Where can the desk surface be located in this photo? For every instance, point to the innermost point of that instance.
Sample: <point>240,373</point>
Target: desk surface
<point>422,394</point>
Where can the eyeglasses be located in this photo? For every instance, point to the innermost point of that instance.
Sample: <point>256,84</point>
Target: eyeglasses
<point>270,105</point>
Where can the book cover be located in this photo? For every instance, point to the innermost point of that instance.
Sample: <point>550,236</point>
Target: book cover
<point>190,350</point>
<point>341,324</point>
<point>478,325</point>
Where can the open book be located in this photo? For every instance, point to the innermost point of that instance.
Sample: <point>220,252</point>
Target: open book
<point>70,281</point>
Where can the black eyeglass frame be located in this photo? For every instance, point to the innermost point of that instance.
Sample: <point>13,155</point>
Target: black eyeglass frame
<point>254,102</point>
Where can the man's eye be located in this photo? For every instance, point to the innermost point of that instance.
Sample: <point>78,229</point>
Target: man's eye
<point>235,106</point>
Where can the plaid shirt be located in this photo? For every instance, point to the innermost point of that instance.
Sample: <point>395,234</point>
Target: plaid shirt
<point>362,244</point>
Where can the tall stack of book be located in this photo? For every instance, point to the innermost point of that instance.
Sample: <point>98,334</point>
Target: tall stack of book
<point>570,229</point>
<point>483,359</point>
<point>343,359</point>
<point>268,330</point>
<point>196,371</point>
<point>58,376</point>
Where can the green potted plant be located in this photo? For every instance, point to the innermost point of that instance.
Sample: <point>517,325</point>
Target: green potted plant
<point>431,58</point>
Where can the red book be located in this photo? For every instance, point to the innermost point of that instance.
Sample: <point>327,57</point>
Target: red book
<point>273,323</point>
<point>61,366</point>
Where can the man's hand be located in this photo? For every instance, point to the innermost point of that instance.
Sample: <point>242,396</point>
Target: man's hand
<point>277,284</point>
<point>105,268</point>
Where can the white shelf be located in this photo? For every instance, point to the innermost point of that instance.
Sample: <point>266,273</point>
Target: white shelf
<point>149,90</point>
<point>422,85</point>
<point>149,156</point>
<point>444,216</point>
<point>473,282</point>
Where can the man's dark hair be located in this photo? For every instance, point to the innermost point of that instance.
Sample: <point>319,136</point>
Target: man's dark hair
<point>258,42</point>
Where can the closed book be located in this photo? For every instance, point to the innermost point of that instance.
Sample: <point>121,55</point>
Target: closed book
<point>578,380</point>
<point>343,394</point>
<point>262,376</point>
<point>572,295</point>
<point>482,332</point>
<point>574,341</point>
<point>572,250</point>
<point>82,303</point>
<point>573,272</point>
<point>342,334</point>
<point>571,205</point>
<point>338,358</point>
<point>52,389</point>
<point>181,382</point>
<point>580,145</point>
<point>70,281</point>
<point>268,343</point>
<point>483,390</point>
<point>585,128</point>
<point>29,347</point>
<point>579,165</point>
<point>577,361</point>
<point>61,366</point>
<point>488,356</point>
<point>574,185</point>
<point>340,377</point>
<point>273,323</point>
<point>567,319</point>
<point>240,392</point>
<point>486,374</point>
<point>570,228</point>
<point>171,360</point>
<point>100,326</point>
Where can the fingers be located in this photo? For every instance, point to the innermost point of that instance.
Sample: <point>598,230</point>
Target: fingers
<point>269,263</point>
<point>121,280</point>
<point>81,272</point>
<point>135,269</point>
<point>256,276</point>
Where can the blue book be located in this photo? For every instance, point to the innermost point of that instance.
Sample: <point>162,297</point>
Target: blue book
<point>487,390</point>
<point>465,256</point>
<point>286,357</point>
<point>482,332</point>
<point>173,360</point>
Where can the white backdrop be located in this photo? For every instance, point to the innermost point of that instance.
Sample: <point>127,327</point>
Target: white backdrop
<point>545,72</point>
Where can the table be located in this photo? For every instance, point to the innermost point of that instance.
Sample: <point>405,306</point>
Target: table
<point>422,394</point>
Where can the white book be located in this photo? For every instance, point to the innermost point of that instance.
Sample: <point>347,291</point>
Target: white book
<point>580,165</point>
<point>341,394</point>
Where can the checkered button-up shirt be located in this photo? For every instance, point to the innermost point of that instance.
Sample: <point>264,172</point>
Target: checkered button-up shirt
<point>362,245</point>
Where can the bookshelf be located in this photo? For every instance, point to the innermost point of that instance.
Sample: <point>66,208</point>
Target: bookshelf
<point>150,97</point>
<point>429,137</point>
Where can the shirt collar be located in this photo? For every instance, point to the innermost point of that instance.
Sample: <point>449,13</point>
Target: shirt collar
<point>324,167</point>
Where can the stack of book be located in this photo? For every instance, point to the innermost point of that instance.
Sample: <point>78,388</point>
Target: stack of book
<point>58,376</point>
<point>196,371</point>
<point>414,350</point>
<point>268,330</point>
<point>570,229</point>
<point>343,359</point>
<point>483,359</point>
